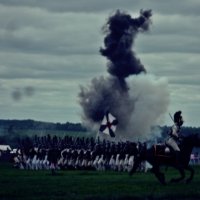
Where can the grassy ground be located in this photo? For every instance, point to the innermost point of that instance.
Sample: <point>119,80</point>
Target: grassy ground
<point>18,184</point>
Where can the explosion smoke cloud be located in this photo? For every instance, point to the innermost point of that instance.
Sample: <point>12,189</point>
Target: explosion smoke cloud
<point>130,100</point>
<point>121,31</point>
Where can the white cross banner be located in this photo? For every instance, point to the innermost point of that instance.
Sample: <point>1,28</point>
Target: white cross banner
<point>108,125</point>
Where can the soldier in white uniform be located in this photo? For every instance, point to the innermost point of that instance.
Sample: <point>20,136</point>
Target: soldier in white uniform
<point>174,135</point>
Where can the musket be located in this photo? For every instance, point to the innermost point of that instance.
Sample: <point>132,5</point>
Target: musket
<point>171,117</point>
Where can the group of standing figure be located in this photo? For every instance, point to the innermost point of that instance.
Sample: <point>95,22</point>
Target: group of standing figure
<point>101,156</point>
<point>87,153</point>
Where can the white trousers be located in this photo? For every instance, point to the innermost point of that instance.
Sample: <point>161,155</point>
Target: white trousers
<point>172,143</point>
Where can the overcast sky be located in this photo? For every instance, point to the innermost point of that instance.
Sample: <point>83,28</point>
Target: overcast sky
<point>49,48</point>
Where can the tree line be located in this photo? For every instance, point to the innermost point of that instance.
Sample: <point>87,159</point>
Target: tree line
<point>10,129</point>
<point>10,126</point>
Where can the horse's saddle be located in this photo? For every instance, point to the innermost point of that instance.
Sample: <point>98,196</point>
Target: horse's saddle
<point>163,150</point>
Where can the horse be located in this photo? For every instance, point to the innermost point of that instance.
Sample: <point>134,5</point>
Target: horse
<point>157,157</point>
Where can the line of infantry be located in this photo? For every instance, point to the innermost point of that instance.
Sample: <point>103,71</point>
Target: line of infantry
<point>71,153</point>
<point>103,156</point>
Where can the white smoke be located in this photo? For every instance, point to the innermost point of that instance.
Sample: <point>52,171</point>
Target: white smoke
<point>139,110</point>
<point>150,96</point>
<point>137,100</point>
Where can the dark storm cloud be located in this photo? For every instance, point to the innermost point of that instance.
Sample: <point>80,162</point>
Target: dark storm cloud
<point>38,31</point>
<point>160,6</point>
<point>46,43</point>
<point>175,43</point>
<point>24,66</point>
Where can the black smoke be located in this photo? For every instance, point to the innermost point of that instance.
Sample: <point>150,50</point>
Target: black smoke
<point>104,94</point>
<point>20,93</point>
<point>109,93</point>
<point>114,92</point>
<point>121,30</point>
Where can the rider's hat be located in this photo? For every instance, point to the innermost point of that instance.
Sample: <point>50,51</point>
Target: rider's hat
<point>178,118</point>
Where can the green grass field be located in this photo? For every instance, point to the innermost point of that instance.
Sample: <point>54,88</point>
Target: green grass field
<point>91,185</point>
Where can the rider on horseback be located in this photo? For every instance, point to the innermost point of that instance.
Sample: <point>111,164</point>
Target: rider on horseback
<point>174,135</point>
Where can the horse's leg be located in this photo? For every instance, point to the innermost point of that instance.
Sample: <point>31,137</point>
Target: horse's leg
<point>135,166</point>
<point>160,176</point>
<point>182,173</point>
<point>191,173</point>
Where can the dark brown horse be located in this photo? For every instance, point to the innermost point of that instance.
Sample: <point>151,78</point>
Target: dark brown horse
<point>157,157</point>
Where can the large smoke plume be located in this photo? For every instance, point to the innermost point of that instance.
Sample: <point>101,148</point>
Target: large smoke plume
<point>135,98</point>
<point>121,30</point>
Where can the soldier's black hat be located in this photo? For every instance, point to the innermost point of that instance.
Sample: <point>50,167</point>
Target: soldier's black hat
<point>178,118</point>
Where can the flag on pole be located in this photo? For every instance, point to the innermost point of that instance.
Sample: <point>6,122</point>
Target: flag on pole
<point>108,124</point>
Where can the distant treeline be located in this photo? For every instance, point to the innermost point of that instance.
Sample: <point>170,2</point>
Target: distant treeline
<point>12,131</point>
<point>10,126</point>
<point>184,130</point>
